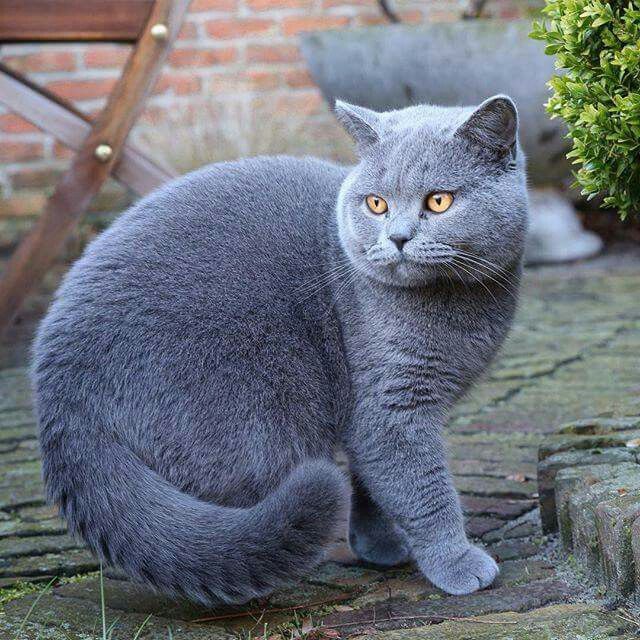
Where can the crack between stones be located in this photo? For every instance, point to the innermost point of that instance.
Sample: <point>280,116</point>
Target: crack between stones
<point>17,439</point>
<point>38,553</point>
<point>586,351</point>
<point>15,507</point>
<point>35,534</point>
<point>530,380</point>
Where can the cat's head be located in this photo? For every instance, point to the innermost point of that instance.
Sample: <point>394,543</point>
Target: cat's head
<point>439,192</point>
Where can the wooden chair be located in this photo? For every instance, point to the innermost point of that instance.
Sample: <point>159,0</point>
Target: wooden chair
<point>100,144</point>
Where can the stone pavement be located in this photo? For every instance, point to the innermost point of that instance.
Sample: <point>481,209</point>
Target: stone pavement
<point>573,354</point>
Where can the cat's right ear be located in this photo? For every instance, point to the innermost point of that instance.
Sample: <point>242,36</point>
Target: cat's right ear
<point>360,123</point>
<point>493,126</point>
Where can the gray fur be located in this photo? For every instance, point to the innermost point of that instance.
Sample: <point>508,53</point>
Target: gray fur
<point>209,352</point>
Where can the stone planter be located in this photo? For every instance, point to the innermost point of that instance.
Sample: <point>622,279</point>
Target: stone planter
<point>457,63</point>
<point>589,485</point>
<point>462,63</point>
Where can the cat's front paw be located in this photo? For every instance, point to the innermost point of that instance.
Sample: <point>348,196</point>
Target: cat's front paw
<point>459,569</point>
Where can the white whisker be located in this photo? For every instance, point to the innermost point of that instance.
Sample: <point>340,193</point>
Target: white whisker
<point>479,281</point>
<point>495,269</point>
<point>475,269</point>
<point>324,277</point>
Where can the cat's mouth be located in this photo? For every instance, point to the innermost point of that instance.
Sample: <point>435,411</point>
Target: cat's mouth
<point>431,256</point>
<point>420,263</point>
<point>414,265</point>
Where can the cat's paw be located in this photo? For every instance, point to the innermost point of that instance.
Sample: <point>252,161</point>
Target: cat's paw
<point>383,551</point>
<point>459,570</point>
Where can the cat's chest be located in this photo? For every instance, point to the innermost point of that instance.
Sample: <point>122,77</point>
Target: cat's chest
<point>409,349</point>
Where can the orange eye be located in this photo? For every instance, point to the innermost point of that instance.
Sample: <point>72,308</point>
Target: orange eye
<point>377,205</point>
<point>439,201</point>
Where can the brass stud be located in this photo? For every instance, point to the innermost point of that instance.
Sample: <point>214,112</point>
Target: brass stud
<point>159,32</point>
<point>103,152</point>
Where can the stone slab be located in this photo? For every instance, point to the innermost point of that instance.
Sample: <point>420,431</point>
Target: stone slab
<point>394,615</point>
<point>503,508</point>
<point>64,618</point>
<point>549,467</point>
<point>614,519</point>
<point>555,622</point>
<point>582,512</point>
<point>69,563</point>
<point>571,479</point>
<point>569,442</point>
<point>600,425</point>
<point>512,549</point>
<point>486,486</point>
<point>15,547</point>
<point>572,353</point>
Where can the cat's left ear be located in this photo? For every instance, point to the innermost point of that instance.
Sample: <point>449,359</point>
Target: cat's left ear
<point>493,126</point>
<point>360,123</point>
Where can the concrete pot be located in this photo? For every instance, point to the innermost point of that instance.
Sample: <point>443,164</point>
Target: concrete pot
<point>458,63</point>
<point>462,63</point>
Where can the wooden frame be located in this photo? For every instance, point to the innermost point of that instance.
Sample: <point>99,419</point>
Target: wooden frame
<point>100,145</point>
<point>74,20</point>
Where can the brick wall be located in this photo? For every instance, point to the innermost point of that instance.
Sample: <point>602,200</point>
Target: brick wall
<point>235,64</point>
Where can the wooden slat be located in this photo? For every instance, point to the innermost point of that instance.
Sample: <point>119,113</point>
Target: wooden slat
<point>82,181</point>
<point>73,20</point>
<point>54,115</point>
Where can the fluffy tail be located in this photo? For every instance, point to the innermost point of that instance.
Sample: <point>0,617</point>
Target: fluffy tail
<point>135,520</point>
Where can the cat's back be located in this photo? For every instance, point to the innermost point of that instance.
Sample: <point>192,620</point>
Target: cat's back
<point>219,253</point>
<point>251,213</point>
<point>231,224</point>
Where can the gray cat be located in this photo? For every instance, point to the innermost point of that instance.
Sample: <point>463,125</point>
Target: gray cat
<point>206,356</point>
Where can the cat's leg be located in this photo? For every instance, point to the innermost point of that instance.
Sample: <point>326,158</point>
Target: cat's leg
<point>372,535</point>
<point>400,458</point>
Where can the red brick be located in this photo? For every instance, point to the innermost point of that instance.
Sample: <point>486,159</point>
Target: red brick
<point>327,4</point>
<point>266,5</point>
<point>370,19</point>
<point>62,152</point>
<point>152,114</point>
<point>242,82</point>
<point>221,83</point>
<point>82,89</point>
<point>188,31</point>
<point>293,25</point>
<point>34,178</point>
<point>414,16</point>
<point>238,27</point>
<point>12,123</point>
<point>24,204</point>
<point>19,151</point>
<point>302,103</point>
<point>510,13</point>
<point>194,57</point>
<point>262,80</point>
<point>101,56</point>
<point>54,60</point>
<point>443,15</point>
<point>213,5</point>
<point>298,78</point>
<point>177,84</point>
<point>273,53</point>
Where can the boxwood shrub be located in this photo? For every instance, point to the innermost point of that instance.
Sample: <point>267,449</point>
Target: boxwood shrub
<point>597,92</point>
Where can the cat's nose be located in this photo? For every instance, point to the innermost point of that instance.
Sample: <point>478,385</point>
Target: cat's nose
<point>399,239</point>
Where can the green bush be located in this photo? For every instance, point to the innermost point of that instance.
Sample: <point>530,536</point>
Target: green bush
<point>597,92</point>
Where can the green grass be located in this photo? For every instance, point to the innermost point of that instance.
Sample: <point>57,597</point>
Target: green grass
<point>33,606</point>
<point>108,629</point>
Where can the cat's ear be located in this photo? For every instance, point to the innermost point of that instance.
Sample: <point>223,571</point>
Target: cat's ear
<point>360,123</point>
<point>493,126</point>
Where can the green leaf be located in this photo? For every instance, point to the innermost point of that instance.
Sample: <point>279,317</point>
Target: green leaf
<point>597,46</point>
